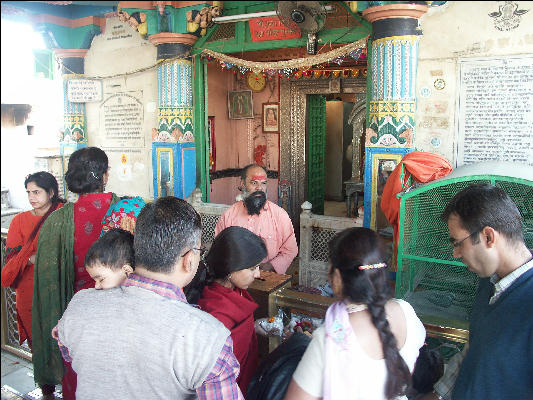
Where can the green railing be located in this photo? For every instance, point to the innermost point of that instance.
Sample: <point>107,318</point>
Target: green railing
<point>10,335</point>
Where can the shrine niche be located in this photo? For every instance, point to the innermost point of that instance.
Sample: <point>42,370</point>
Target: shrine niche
<point>357,120</point>
<point>293,158</point>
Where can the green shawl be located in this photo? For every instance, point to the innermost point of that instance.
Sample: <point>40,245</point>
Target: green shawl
<point>53,287</point>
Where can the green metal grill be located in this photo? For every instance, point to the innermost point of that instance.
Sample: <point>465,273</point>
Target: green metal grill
<point>439,287</point>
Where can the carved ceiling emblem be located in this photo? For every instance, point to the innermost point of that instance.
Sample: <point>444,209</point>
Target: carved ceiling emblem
<point>508,16</point>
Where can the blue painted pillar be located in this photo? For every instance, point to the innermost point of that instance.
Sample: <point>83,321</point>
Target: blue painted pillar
<point>173,144</point>
<point>392,99</point>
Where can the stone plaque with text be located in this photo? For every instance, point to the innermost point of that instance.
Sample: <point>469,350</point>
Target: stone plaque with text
<point>495,110</point>
<point>121,120</point>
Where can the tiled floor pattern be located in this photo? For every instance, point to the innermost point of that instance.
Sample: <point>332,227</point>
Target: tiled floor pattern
<point>17,379</point>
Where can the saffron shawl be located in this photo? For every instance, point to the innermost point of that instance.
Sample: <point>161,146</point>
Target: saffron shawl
<point>53,287</point>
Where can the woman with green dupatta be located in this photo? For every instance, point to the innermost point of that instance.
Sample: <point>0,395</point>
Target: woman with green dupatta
<point>59,271</point>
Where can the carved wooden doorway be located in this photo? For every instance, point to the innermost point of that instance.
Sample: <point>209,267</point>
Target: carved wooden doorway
<point>293,125</point>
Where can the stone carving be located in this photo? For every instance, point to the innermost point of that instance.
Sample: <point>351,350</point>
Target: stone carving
<point>199,21</point>
<point>508,16</point>
<point>137,21</point>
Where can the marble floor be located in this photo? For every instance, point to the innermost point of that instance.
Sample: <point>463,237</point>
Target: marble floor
<point>17,379</point>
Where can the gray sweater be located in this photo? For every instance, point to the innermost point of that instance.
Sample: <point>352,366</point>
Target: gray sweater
<point>131,343</point>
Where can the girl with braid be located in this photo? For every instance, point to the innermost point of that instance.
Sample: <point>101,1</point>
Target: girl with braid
<point>369,343</point>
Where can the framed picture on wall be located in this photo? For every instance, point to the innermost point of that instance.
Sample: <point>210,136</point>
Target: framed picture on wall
<point>379,163</point>
<point>240,104</point>
<point>271,117</point>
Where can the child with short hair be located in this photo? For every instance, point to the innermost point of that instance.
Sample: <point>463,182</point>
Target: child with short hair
<point>111,259</point>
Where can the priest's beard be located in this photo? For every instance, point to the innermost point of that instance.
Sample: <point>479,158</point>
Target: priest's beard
<point>254,202</point>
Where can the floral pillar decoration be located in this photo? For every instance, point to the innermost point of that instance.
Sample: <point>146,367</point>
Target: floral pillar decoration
<point>173,145</point>
<point>392,98</point>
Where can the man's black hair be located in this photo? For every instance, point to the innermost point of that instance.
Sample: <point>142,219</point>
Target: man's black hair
<point>113,250</point>
<point>482,205</point>
<point>165,230</point>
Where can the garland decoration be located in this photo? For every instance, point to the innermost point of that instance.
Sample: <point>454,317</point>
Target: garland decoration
<point>288,68</point>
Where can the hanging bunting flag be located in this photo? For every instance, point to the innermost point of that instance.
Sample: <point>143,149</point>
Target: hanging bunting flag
<point>287,68</point>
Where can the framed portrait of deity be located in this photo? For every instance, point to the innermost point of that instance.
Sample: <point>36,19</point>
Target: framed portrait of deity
<point>271,117</point>
<point>240,104</point>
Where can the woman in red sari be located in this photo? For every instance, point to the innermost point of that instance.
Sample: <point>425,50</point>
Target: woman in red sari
<point>59,269</point>
<point>21,246</point>
<point>234,260</point>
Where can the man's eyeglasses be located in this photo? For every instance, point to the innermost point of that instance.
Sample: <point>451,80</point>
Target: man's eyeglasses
<point>202,251</point>
<point>457,243</point>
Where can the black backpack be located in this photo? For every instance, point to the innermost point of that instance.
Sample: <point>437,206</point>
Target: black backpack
<point>272,378</point>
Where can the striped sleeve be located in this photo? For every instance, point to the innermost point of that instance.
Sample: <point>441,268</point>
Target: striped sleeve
<point>221,383</point>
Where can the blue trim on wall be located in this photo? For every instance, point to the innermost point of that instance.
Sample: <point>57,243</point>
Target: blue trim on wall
<point>369,161</point>
<point>188,158</point>
<point>155,146</point>
<point>183,165</point>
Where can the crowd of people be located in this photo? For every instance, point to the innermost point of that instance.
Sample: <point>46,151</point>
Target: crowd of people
<point>115,302</point>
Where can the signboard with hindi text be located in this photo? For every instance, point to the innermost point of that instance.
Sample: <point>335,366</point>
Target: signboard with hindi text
<point>270,28</point>
<point>84,90</point>
<point>495,110</point>
<point>121,119</point>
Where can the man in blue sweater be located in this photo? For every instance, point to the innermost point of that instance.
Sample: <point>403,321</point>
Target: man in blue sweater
<point>486,233</point>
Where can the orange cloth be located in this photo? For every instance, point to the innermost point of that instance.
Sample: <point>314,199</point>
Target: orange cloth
<point>273,225</point>
<point>17,273</point>
<point>421,167</point>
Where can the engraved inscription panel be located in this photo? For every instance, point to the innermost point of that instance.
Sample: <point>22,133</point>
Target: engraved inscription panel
<point>496,110</point>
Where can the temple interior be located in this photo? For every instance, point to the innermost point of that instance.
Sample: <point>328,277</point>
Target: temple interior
<point>330,98</point>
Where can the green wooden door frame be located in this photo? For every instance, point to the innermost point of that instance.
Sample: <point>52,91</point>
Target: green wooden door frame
<point>316,151</point>
<point>200,126</point>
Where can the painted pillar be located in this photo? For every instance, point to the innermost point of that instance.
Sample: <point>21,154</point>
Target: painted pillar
<point>75,123</point>
<point>173,143</point>
<point>392,99</point>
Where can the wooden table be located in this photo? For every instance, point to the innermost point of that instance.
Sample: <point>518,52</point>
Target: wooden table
<point>262,290</point>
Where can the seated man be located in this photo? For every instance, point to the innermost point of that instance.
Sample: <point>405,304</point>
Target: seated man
<point>264,218</point>
<point>142,340</point>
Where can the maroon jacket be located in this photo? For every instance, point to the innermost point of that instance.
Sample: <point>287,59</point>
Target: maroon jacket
<point>235,309</point>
